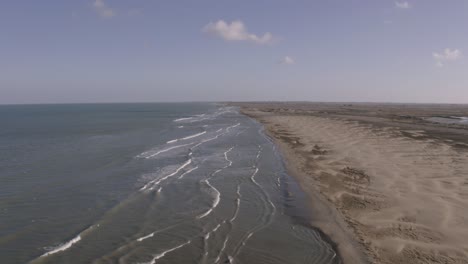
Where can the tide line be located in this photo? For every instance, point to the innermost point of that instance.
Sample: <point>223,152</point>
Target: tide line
<point>152,184</point>
<point>67,244</point>
<point>215,202</point>
<point>185,138</point>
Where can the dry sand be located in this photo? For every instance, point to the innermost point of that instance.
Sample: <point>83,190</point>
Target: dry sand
<point>397,183</point>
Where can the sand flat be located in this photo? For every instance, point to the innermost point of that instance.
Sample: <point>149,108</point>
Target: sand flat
<point>399,183</point>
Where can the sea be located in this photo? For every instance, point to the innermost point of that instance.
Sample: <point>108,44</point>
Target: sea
<point>148,183</point>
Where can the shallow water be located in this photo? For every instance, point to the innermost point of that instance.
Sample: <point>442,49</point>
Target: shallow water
<point>449,120</point>
<point>147,183</point>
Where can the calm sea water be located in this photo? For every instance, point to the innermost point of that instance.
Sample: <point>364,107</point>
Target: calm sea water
<point>147,183</point>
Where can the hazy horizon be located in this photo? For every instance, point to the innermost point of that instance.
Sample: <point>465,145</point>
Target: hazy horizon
<point>104,51</point>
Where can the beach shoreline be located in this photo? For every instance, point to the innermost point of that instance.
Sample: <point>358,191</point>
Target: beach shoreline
<point>344,160</point>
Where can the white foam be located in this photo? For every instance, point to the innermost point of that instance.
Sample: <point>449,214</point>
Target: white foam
<point>156,232</point>
<point>215,137</point>
<point>217,198</point>
<point>185,138</point>
<point>216,228</point>
<point>216,172</point>
<point>229,128</point>
<point>153,261</point>
<point>222,249</point>
<point>207,140</point>
<point>63,247</point>
<point>67,244</point>
<point>253,176</point>
<point>145,237</point>
<point>152,184</point>
<point>240,132</point>
<point>226,158</point>
<point>238,200</point>
<point>164,150</point>
<point>256,183</point>
<point>183,119</point>
<point>259,151</point>
<point>195,135</point>
<point>207,236</point>
<point>187,172</point>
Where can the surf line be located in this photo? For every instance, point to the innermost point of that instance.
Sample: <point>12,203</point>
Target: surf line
<point>205,241</point>
<point>160,255</point>
<point>217,193</point>
<point>145,155</point>
<point>185,138</point>
<point>265,198</point>
<point>187,172</point>
<point>215,137</point>
<point>234,216</point>
<point>215,202</point>
<point>183,119</point>
<point>152,184</point>
<point>67,244</point>
<point>156,232</point>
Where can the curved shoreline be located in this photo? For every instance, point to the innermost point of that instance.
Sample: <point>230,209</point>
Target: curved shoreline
<point>324,218</point>
<point>387,184</point>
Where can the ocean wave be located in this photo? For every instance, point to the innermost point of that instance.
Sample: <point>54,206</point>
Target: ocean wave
<point>67,244</point>
<point>151,154</point>
<point>185,138</point>
<point>145,237</point>
<point>238,200</point>
<point>63,247</point>
<point>226,157</point>
<point>183,119</point>
<point>221,251</point>
<point>160,255</point>
<point>229,128</point>
<point>217,198</point>
<point>207,116</point>
<point>152,184</point>
<point>187,172</point>
<point>154,153</point>
<point>207,236</point>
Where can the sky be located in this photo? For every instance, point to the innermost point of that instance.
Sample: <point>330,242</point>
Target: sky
<point>73,51</point>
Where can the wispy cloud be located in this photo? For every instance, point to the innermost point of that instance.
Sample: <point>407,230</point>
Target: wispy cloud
<point>446,55</point>
<point>236,31</point>
<point>102,9</point>
<point>403,5</point>
<point>287,60</point>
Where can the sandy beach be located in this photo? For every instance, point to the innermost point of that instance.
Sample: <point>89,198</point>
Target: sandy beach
<point>387,183</point>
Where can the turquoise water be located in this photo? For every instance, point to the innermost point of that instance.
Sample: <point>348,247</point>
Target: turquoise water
<point>147,183</point>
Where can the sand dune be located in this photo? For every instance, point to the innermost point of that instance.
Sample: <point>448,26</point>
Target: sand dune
<point>404,194</point>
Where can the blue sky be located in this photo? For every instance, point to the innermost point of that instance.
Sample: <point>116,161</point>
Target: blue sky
<point>59,51</point>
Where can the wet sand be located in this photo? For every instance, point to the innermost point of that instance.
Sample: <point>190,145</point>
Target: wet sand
<point>385,183</point>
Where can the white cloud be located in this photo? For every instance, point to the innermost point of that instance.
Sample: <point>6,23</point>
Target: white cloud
<point>235,31</point>
<point>446,55</point>
<point>403,5</point>
<point>287,60</point>
<point>102,9</point>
